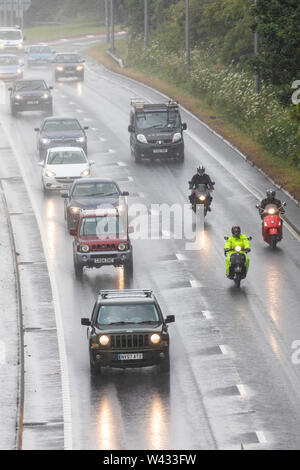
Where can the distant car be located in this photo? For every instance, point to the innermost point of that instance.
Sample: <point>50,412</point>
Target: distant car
<point>68,65</point>
<point>60,132</point>
<point>31,95</point>
<point>62,166</point>
<point>102,239</point>
<point>40,54</point>
<point>127,329</point>
<point>10,67</point>
<point>91,194</point>
<point>11,40</point>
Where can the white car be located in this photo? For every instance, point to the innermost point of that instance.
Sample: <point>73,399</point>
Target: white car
<point>62,166</point>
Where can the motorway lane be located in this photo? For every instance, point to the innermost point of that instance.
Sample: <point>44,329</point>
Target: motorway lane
<point>200,406</point>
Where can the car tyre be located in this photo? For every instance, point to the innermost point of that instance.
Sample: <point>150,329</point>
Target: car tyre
<point>95,369</point>
<point>78,270</point>
<point>137,158</point>
<point>129,267</point>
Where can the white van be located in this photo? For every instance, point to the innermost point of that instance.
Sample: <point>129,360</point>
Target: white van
<point>11,40</point>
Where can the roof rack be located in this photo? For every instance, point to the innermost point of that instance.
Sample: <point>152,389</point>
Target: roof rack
<point>137,103</point>
<point>172,104</point>
<point>125,293</point>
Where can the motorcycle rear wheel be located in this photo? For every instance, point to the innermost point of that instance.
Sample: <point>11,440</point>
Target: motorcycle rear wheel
<point>273,241</point>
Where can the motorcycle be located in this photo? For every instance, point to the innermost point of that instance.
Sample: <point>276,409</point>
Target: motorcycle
<point>272,223</point>
<point>238,262</point>
<point>202,196</point>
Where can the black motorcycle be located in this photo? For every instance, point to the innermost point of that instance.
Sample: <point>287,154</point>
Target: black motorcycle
<point>202,196</point>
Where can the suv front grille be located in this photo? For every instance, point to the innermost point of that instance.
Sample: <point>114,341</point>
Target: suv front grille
<point>103,247</point>
<point>129,341</point>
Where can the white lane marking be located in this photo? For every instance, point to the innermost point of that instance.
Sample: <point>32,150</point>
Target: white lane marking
<point>130,179</point>
<point>111,151</point>
<point>122,163</point>
<point>195,284</point>
<point>79,111</point>
<point>242,390</point>
<point>224,349</point>
<point>65,382</point>
<point>71,103</point>
<point>103,139</point>
<point>261,437</point>
<point>63,96</point>
<point>207,314</point>
<point>256,193</point>
<point>181,257</point>
<point>2,353</point>
<point>87,119</point>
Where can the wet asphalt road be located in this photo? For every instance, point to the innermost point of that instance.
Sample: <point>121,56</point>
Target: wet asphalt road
<point>232,380</point>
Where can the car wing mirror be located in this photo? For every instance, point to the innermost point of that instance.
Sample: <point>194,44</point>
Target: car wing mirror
<point>73,232</point>
<point>184,126</point>
<point>83,61</point>
<point>131,128</point>
<point>50,87</point>
<point>10,89</point>
<point>170,319</point>
<point>91,162</point>
<point>86,128</point>
<point>125,193</point>
<point>64,195</point>
<point>37,129</point>
<point>130,230</point>
<point>85,322</point>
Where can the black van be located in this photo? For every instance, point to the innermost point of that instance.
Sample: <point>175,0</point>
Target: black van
<point>156,131</point>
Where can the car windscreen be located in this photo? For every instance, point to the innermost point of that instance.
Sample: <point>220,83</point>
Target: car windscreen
<point>9,60</point>
<point>66,158</point>
<point>128,313</point>
<point>158,120</point>
<point>61,125</point>
<point>10,35</point>
<point>39,50</point>
<point>95,189</point>
<point>26,85</point>
<point>103,226</point>
<point>62,58</point>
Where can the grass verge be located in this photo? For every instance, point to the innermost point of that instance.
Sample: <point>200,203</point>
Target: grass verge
<point>49,32</point>
<point>279,170</point>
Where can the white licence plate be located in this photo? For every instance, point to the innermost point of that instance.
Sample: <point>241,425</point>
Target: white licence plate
<point>129,357</point>
<point>160,151</point>
<point>103,260</point>
<point>32,102</point>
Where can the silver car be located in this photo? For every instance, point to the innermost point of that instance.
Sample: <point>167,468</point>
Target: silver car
<point>10,67</point>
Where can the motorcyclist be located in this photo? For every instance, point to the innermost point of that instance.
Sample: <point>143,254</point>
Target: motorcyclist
<point>270,199</point>
<point>237,239</point>
<point>200,178</point>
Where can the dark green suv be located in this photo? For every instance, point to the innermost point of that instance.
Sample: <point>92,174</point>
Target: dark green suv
<point>127,329</point>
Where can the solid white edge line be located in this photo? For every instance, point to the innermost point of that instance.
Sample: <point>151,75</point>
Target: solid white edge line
<point>242,389</point>
<point>67,413</point>
<point>261,437</point>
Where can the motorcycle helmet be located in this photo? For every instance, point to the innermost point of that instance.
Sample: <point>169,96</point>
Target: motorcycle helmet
<point>271,194</point>
<point>236,231</point>
<point>201,170</point>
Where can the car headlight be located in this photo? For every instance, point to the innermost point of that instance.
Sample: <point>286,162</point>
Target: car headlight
<point>79,68</point>
<point>141,138</point>
<point>155,338</point>
<point>20,46</point>
<point>238,248</point>
<point>45,141</point>
<point>75,210</point>
<point>86,172</point>
<point>84,248</point>
<point>45,96</point>
<point>80,140</point>
<point>50,174</point>
<point>176,137</point>
<point>19,71</point>
<point>104,340</point>
<point>18,97</point>
<point>60,69</point>
<point>1,46</point>
<point>122,246</point>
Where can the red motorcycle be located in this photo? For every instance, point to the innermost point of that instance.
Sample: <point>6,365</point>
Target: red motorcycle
<point>272,223</point>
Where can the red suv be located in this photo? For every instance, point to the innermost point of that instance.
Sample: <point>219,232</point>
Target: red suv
<point>101,239</point>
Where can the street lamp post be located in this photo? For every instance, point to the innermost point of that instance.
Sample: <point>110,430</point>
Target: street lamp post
<point>107,25</point>
<point>187,37</point>
<point>112,22</point>
<point>146,23</point>
<point>256,54</point>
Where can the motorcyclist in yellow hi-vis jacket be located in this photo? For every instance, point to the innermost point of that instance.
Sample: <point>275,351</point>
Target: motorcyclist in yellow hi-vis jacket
<point>232,246</point>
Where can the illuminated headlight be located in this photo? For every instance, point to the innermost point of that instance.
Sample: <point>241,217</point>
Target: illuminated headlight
<point>122,246</point>
<point>104,340</point>
<point>45,141</point>
<point>84,248</point>
<point>271,211</point>
<point>86,172</point>
<point>202,198</point>
<point>141,138</point>
<point>20,46</point>
<point>79,68</point>
<point>80,140</point>
<point>176,137</point>
<point>155,338</point>
<point>19,71</point>
<point>45,96</point>
<point>60,69</point>
<point>18,97</point>
<point>238,248</point>
<point>50,174</point>
<point>1,46</point>
<point>75,210</point>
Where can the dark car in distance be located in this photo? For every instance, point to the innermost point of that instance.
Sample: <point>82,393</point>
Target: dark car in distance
<point>156,131</point>
<point>91,193</point>
<point>60,132</point>
<point>68,65</point>
<point>31,95</point>
<point>127,329</point>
